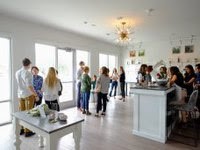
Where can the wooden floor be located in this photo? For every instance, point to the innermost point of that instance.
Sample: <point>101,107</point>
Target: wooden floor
<point>112,132</point>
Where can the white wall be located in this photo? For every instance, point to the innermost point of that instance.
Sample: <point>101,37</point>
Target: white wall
<point>162,50</point>
<point>24,35</point>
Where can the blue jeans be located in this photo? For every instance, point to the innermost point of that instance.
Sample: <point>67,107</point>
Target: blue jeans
<point>79,99</point>
<point>85,100</point>
<point>114,85</point>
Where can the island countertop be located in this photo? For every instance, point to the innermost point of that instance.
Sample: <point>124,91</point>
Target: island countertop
<point>151,89</point>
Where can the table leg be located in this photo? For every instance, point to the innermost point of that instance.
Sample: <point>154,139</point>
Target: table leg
<point>17,140</point>
<point>51,143</point>
<point>41,141</point>
<point>77,136</point>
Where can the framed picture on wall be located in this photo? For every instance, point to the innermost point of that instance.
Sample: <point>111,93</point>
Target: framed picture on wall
<point>132,53</point>
<point>141,53</point>
<point>176,50</point>
<point>189,48</point>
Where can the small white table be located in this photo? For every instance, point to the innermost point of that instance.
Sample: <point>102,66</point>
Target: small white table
<point>51,131</point>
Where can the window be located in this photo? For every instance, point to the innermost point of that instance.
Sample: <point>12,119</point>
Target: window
<point>5,78</point>
<point>109,61</point>
<point>45,57</point>
<point>82,56</point>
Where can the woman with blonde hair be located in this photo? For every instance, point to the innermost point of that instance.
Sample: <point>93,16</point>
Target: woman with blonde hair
<point>51,87</point>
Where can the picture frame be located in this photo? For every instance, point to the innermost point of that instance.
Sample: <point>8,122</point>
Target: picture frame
<point>141,53</point>
<point>132,53</point>
<point>176,50</point>
<point>189,48</point>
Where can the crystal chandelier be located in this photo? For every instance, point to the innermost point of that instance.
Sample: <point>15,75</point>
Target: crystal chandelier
<point>123,32</point>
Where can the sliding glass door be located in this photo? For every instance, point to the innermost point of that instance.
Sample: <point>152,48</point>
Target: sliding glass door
<point>5,80</point>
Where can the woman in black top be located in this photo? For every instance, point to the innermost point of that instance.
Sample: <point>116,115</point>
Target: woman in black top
<point>176,77</point>
<point>122,82</point>
<point>189,79</point>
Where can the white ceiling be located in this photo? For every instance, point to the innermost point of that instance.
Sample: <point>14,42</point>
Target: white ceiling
<point>179,18</point>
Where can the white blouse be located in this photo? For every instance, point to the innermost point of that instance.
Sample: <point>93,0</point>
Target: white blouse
<point>51,94</point>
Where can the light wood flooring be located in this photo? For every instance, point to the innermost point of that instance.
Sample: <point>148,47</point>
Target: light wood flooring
<point>112,132</point>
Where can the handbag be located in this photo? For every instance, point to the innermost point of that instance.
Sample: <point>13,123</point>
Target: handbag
<point>98,86</point>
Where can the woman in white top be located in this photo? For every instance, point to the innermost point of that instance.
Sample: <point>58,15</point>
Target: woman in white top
<point>51,88</point>
<point>114,79</point>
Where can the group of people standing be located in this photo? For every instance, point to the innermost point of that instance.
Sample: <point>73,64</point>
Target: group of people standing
<point>100,87</point>
<point>32,89</point>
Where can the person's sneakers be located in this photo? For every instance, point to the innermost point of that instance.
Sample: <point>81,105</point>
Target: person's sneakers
<point>88,113</point>
<point>103,113</point>
<point>21,132</point>
<point>28,134</point>
<point>96,115</point>
<point>83,112</point>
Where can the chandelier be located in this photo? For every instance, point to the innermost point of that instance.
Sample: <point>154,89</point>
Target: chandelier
<point>123,32</point>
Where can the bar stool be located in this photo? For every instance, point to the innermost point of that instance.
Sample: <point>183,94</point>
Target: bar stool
<point>192,116</point>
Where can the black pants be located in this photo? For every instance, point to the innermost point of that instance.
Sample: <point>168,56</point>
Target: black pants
<point>122,87</point>
<point>100,97</point>
<point>39,101</point>
<point>53,105</point>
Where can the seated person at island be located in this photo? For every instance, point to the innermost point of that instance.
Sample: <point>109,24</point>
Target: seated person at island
<point>141,73</point>
<point>189,80</point>
<point>163,73</point>
<point>176,77</point>
<point>178,80</point>
<point>148,77</point>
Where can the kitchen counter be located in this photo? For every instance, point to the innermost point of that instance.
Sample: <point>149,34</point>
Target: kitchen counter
<point>150,111</point>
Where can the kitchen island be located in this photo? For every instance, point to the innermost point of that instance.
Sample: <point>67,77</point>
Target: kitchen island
<point>150,111</point>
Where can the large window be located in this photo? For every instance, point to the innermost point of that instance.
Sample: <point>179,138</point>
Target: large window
<point>109,61</point>
<point>82,56</point>
<point>5,78</point>
<point>45,57</point>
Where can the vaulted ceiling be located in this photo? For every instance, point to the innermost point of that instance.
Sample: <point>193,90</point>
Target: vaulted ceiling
<point>97,18</point>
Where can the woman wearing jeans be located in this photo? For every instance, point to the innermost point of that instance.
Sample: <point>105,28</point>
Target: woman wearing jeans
<point>85,90</point>
<point>114,78</point>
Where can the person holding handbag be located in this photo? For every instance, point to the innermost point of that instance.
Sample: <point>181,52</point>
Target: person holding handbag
<point>102,87</point>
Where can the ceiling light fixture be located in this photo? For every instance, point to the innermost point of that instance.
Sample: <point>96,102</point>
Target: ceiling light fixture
<point>123,31</point>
